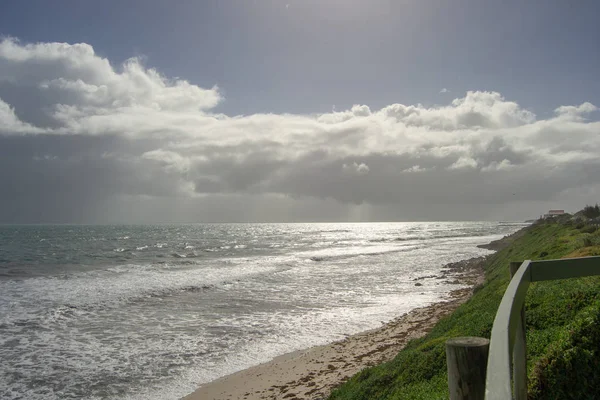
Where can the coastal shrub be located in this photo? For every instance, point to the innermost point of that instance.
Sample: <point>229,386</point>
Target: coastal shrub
<point>591,211</point>
<point>571,369</point>
<point>580,225</point>
<point>589,229</point>
<point>477,288</point>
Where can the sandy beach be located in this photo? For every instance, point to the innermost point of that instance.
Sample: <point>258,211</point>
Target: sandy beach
<point>314,372</point>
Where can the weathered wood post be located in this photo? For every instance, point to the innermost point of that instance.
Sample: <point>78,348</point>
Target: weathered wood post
<point>519,358</point>
<point>467,358</point>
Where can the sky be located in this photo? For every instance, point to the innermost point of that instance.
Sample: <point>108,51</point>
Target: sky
<point>297,110</point>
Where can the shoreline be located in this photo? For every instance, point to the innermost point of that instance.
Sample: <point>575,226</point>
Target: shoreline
<point>312,373</point>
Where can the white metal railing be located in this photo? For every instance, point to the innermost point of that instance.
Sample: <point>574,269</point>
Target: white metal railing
<point>507,348</point>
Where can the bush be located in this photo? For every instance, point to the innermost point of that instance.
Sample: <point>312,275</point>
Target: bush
<point>591,211</point>
<point>477,288</point>
<point>589,229</point>
<point>571,369</point>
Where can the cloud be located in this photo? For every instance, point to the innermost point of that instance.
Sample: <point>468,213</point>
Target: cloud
<point>11,124</point>
<point>444,90</point>
<point>168,159</point>
<point>576,112</point>
<point>359,169</point>
<point>464,162</point>
<point>81,139</point>
<point>414,168</point>
<point>79,92</point>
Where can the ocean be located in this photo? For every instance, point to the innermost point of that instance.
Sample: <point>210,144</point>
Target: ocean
<point>152,312</point>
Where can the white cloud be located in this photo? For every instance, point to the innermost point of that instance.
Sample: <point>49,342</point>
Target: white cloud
<point>170,139</point>
<point>10,124</point>
<point>464,162</point>
<point>444,90</point>
<point>504,165</point>
<point>76,80</point>
<point>359,169</point>
<point>169,159</point>
<point>576,112</point>
<point>415,168</point>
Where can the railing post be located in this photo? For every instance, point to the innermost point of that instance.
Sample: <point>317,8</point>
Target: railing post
<point>467,358</point>
<point>519,353</point>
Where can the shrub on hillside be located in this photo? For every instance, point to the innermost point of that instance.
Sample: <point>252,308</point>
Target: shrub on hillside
<point>572,369</point>
<point>589,229</point>
<point>591,211</point>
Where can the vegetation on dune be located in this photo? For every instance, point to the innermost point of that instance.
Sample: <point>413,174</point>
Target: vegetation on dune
<point>563,326</point>
<point>591,211</point>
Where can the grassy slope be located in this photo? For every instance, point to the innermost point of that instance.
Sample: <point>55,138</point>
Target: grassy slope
<point>563,322</point>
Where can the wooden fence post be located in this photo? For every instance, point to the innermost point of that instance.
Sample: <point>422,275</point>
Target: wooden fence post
<point>519,357</point>
<point>467,358</point>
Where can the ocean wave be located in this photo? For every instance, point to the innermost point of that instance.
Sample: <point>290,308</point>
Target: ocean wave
<point>48,318</point>
<point>408,238</point>
<point>13,272</point>
<point>398,239</point>
<point>316,232</point>
<point>365,253</point>
<point>112,287</point>
<point>434,235</point>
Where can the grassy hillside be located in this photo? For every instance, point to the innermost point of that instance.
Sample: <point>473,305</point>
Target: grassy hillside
<point>563,327</point>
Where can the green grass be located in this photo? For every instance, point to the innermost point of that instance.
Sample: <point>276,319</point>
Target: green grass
<point>563,328</point>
